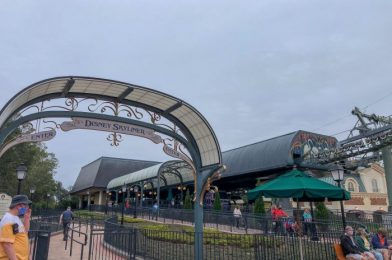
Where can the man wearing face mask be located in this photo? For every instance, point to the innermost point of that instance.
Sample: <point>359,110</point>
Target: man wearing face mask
<point>14,243</point>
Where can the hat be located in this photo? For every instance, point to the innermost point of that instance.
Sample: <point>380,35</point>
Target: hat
<point>19,199</point>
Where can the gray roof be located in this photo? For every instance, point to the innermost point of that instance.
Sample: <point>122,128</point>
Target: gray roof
<point>98,173</point>
<point>266,155</point>
<point>171,173</point>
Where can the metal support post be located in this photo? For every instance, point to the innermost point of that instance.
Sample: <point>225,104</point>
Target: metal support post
<point>387,158</point>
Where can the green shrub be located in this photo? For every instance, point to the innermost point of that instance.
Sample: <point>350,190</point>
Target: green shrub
<point>259,206</point>
<point>187,201</point>
<point>321,211</point>
<point>217,202</point>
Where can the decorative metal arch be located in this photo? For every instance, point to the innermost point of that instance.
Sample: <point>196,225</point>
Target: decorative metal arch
<point>189,135</point>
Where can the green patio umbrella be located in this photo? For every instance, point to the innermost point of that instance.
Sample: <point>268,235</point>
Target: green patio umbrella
<point>299,186</point>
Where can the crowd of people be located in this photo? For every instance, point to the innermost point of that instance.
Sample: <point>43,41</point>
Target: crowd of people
<point>359,247</point>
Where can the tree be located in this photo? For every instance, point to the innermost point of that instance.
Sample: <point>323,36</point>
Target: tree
<point>187,201</point>
<point>217,202</point>
<point>40,165</point>
<point>259,206</point>
<point>321,211</point>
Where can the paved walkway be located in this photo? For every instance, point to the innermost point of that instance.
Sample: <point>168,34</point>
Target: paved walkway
<point>57,249</point>
<point>57,245</point>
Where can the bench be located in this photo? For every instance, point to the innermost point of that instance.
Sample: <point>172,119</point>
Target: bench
<point>339,253</point>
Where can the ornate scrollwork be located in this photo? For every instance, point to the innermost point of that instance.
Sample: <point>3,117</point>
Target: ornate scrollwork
<point>55,124</point>
<point>115,138</point>
<point>114,108</point>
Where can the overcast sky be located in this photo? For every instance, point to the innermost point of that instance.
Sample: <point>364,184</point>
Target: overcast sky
<point>254,69</point>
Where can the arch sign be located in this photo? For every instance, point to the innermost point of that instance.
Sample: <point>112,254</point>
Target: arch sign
<point>74,102</point>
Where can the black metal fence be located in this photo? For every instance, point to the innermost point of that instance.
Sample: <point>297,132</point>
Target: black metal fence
<point>225,221</point>
<point>113,241</point>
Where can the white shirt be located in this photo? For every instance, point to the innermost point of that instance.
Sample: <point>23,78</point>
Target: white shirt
<point>237,212</point>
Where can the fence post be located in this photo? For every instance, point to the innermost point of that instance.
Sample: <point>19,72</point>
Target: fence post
<point>43,242</point>
<point>91,241</point>
<point>256,247</point>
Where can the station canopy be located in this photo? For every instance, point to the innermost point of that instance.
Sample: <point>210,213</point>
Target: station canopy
<point>170,173</point>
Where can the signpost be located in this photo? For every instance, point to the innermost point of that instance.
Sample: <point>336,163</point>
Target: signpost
<point>5,202</point>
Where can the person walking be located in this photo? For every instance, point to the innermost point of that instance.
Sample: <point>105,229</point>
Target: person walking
<point>14,241</point>
<point>237,215</point>
<point>307,217</point>
<point>65,219</point>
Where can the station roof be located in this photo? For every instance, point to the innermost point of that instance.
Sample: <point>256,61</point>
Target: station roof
<point>261,156</point>
<point>98,173</point>
<point>171,173</point>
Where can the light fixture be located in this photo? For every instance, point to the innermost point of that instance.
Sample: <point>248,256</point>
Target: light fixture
<point>150,192</point>
<point>21,171</point>
<point>32,190</point>
<point>124,188</point>
<point>337,172</point>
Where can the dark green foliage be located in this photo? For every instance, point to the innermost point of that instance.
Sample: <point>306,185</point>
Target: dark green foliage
<point>187,201</point>
<point>41,167</point>
<point>259,206</point>
<point>321,211</point>
<point>217,202</point>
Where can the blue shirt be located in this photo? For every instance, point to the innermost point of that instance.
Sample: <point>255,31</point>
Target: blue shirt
<point>67,216</point>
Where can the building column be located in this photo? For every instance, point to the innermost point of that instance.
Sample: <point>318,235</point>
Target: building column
<point>88,199</point>
<point>80,201</point>
<point>100,198</point>
<point>116,203</point>
<point>387,158</point>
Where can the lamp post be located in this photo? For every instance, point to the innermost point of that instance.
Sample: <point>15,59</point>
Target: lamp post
<point>135,189</point>
<point>32,191</point>
<point>47,200</point>
<point>123,189</point>
<point>337,172</point>
<point>21,171</point>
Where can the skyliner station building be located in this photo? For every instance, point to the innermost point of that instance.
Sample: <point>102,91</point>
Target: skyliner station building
<point>103,181</point>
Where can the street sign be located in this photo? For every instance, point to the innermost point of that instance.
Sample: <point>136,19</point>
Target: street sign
<point>5,202</point>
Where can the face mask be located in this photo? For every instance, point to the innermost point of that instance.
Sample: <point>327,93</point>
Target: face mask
<point>22,211</point>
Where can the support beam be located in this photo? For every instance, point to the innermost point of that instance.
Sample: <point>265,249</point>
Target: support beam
<point>387,158</point>
<point>125,94</point>
<point>68,87</point>
<point>172,108</point>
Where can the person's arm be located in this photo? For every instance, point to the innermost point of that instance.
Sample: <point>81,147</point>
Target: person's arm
<point>9,250</point>
<point>26,220</point>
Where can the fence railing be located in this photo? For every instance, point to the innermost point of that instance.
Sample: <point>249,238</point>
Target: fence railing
<point>114,241</point>
<point>253,223</point>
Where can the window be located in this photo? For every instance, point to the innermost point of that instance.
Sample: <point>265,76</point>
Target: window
<point>350,186</point>
<point>375,185</point>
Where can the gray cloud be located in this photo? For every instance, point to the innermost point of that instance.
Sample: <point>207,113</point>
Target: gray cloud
<point>255,69</point>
